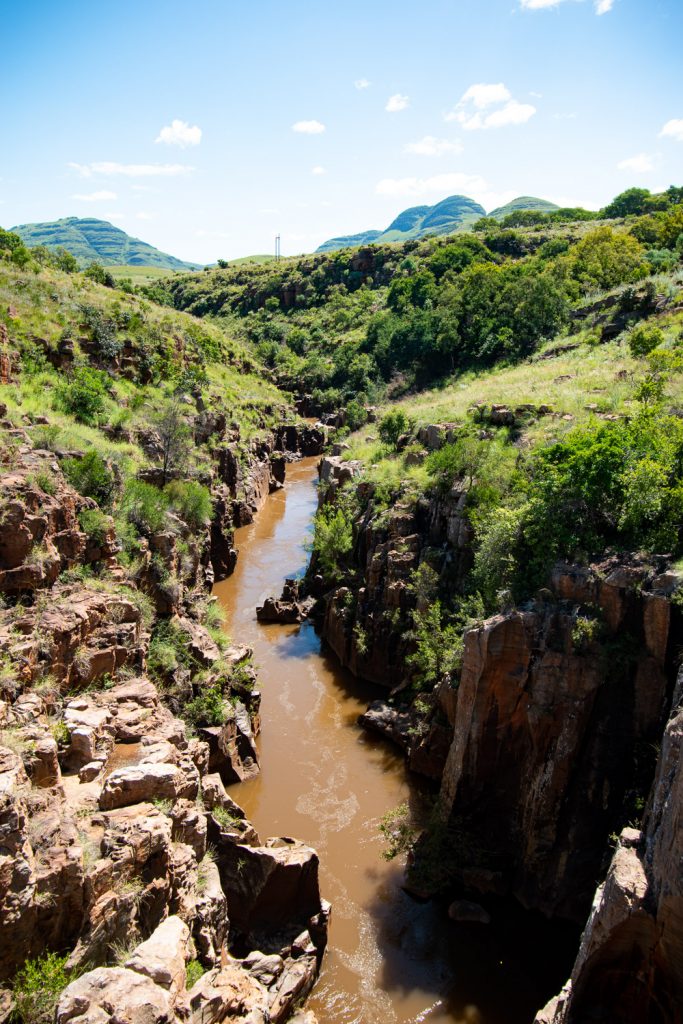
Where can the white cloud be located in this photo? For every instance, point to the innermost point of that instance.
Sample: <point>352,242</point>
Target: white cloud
<point>438,184</point>
<point>109,168</point>
<point>143,215</point>
<point>113,216</point>
<point>483,95</point>
<point>308,127</point>
<point>362,83</point>
<point>396,103</point>
<point>180,133</point>
<point>673,130</point>
<point>600,6</point>
<point>318,170</point>
<point>639,164</point>
<point>95,197</point>
<point>474,113</point>
<point>431,146</point>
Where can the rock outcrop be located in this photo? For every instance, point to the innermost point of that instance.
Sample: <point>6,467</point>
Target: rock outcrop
<point>630,963</point>
<point>110,812</point>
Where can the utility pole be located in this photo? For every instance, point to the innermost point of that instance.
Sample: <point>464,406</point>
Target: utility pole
<point>277,247</point>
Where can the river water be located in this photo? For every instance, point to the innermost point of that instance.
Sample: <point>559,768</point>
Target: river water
<point>327,782</point>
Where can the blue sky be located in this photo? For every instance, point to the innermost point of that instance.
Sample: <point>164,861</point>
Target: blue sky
<point>208,127</point>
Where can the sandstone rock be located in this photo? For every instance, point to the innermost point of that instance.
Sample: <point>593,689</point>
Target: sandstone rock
<point>630,964</point>
<point>189,826</point>
<point>539,798</point>
<point>214,795</point>
<point>162,956</point>
<point>389,721</point>
<point>145,782</point>
<point>17,867</point>
<point>269,887</point>
<point>228,994</point>
<point>296,981</point>
<point>199,642</point>
<point>111,994</point>
<point>210,925</point>
<point>232,747</point>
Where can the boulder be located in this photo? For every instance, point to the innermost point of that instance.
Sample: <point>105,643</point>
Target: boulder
<point>162,956</point>
<point>146,782</point>
<point>269,887</point>
<point>228,994</point>
<point>232,746</point>
<point>111,994</point>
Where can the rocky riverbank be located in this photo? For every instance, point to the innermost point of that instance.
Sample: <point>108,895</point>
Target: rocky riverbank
<point>120,850</point>
<point>544,747</point>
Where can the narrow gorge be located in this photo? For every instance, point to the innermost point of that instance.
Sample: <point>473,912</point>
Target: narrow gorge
<point>341,620</point>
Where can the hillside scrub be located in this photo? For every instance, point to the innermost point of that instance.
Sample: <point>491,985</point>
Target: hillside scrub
<point>356,325</point>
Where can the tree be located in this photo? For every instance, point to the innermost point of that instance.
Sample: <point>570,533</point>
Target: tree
<point>85,393</point>
<point>392,425</point>
<point>175,438</point>
<point>605,258</point>
<point>632,202</point>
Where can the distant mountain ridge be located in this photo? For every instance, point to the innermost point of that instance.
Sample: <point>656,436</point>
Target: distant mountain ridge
<point>97,241</point>
<point>456,213</point>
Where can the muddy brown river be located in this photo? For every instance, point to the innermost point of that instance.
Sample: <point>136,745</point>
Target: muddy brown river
<point>327,782</point>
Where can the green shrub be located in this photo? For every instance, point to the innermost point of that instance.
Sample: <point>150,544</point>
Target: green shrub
<point>91,477</point>
<point>438,647</point>
<point>37,987</point>
<point>194,972</point>
<point>333,537</point>
<point>392,426</point>
<point>207,708</point>
<point>145,506</point>
<point>604,258</point>
<point>96,272</point>
<point>84,394</point>
<point>45,481</point>
<point>168,649</point>
<point>644,338</point>
<point>95,524</point>
<point>192,502</point>
<point>398,831</point>
<point>224,817</point>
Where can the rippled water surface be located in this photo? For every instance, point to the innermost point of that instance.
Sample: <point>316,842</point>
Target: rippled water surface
<point>325,781</point>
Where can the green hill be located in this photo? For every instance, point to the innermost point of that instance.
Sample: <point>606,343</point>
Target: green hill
<point>523,203</point>
<point>457,213</point>
<point>450,215</point>
<point>97,241</point>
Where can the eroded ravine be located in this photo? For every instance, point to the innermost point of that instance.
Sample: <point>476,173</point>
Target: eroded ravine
<point>327,782</point>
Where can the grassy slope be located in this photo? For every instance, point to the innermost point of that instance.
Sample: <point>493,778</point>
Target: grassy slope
<point>50,301</point>
<point>578,379</point>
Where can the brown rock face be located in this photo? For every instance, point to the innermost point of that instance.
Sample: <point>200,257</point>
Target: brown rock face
<point>630,963</point>
<point>269,887</point>
<point>545,731</point>
<point>232,747</point>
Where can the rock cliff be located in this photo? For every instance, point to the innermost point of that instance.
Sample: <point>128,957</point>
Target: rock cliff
<point>119,845</point>
<point>544,744</point>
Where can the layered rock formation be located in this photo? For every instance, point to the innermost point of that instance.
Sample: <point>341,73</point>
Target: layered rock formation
<point>118,843</point>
